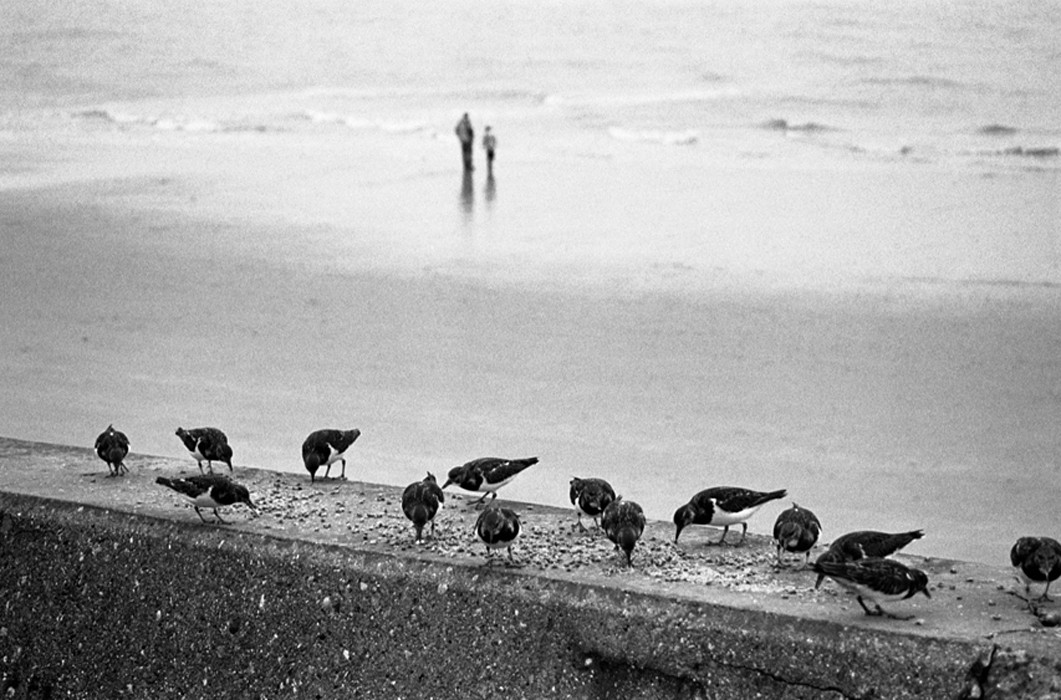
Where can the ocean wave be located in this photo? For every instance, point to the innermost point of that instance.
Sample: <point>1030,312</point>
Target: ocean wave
<point>190,125</point>
<point>1036,152</point>
<point>806,127</point>
<point>462,94</point>
<point>106,115</point>
<point>923,81</point>
<point>360,123</point>
<point>972,282</point>
<point>996,130</point>
<point>667,138</point>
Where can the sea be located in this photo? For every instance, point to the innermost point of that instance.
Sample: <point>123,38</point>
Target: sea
<point>684,147</point>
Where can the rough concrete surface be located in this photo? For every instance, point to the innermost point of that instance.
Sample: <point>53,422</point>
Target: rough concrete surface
<point>112,587</point>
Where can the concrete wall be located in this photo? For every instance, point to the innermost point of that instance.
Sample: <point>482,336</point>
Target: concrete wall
<point>97,602</point>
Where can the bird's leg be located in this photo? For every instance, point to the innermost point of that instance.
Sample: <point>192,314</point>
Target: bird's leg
<point>743,533</point>
<point>432,529</point>
<point>200,462</point>
<point>343,475</point>
<point>327,468</point>
<point>580,525</point>
<point>1045,597</point>
<point>218,516</point>
<point>861,602</point>
<point>725,531</point>
<point>199,513</point>
<point>210,465</point>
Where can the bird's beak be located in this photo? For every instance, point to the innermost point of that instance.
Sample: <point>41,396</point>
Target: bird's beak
<point>927,594</point>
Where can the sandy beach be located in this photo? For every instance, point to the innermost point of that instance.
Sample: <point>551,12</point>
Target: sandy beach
<point>164,289</point>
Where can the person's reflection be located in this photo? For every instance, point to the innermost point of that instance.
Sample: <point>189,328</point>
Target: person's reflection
<point>467,195</point>
<point>490,191</point>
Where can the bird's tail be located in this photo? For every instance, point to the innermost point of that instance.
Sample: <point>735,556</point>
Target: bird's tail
<point>168,483</point>
<point>419,515</point>
<point>900,539</point>
<point>774,495</point>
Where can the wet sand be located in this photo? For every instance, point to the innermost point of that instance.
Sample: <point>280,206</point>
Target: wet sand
<point>884,410</point>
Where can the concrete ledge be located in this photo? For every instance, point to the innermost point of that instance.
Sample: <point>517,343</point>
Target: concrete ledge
<point>109,589</point>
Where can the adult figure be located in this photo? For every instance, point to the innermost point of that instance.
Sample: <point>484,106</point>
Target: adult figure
<point>489,145</point>
<point>466,135</point>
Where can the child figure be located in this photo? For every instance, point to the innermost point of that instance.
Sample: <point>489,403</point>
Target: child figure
<point>489,144</point>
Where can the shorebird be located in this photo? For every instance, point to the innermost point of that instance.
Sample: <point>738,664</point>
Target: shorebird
<point>498,527</point>
<point>725,506</point>
<point>876,579</point>
<point>796,530</point>
<point>212,491</point>
<point>112,446</point>
<point>206,444</point>
<point>326,447</point>
<point>420,502</point>
<point>590,497</point>
<point>487,474</point>
<point>1037,560</point>
<point>623,523</point>
<point>866,543</point>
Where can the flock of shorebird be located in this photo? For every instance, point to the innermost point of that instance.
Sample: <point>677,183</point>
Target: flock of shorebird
<point>857,561</point>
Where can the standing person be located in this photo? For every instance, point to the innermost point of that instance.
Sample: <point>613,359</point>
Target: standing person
<point>489,144</point>
<point>466,135</point>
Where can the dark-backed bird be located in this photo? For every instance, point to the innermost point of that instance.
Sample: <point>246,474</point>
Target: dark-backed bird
<point>1037,560</point>
<point>206,445</point>
<point>326,447</point>
<point>876,579</point>
<point>212,491</point>
<point>487,474</point>
<point>796,530</point>
<point>590,497</point>
<point>623,522</point>
<point>866,543</point>
<point>498,527</point>
<point>420,503</point>
<point>112,446</point>
<point>723,506</point>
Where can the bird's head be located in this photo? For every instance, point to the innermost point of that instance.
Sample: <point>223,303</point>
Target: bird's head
<point>453,476</point>
<point>430,478</point>
<point>244,496</point>
<point>682,517</point>
<point>1044,562</point>
<point>789,534</point>
<point>576,488</point>
<point>919,583</point>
